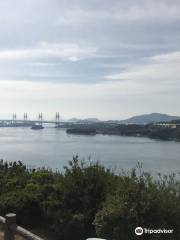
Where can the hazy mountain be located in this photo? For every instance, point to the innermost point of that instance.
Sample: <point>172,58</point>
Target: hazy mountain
<point>149,118</point>
<point>86,120</point>
<point>91,119</point>
<point>74,120</point>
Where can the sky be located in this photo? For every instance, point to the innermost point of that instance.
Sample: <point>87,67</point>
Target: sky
<point>94,58</point>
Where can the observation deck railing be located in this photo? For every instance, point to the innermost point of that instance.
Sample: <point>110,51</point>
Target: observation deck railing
<point>11,229</point>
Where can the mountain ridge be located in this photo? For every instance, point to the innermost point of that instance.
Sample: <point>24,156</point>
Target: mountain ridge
<point>150,118</point>
<point>139,119</point>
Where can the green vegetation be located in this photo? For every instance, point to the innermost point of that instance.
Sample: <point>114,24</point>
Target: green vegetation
<point>88,200</point>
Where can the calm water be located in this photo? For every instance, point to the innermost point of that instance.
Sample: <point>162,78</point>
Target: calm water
<point>54,148</point>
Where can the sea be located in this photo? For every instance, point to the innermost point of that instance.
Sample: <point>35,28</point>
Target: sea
<point>53,148</point>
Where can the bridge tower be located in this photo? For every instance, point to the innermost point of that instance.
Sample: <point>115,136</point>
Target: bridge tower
<point>40,118</point>
<point>25,116</point>
<point>57,119</point>
<point>14,118</point>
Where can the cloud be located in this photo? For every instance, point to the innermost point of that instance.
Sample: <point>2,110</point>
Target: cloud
<point>152,87</point>
<point>151,11</point>
<point>161,68</point>
<point>162,11</point>
<point>133,43</point>
<point>166,58</point>
<point>74,59</point>
<point>70,99</point>
<point>71,52</point>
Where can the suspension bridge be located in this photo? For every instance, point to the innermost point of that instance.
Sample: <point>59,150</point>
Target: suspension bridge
<point>26,121</point>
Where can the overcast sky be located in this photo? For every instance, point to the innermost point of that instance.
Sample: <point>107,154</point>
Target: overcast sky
<point>94,58</point>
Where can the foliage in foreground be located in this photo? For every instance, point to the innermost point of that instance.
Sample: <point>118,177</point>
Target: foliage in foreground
<point>89,200</point>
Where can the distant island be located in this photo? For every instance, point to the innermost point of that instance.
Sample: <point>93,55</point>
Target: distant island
<point>82,130</point>
<point>155,125</point>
